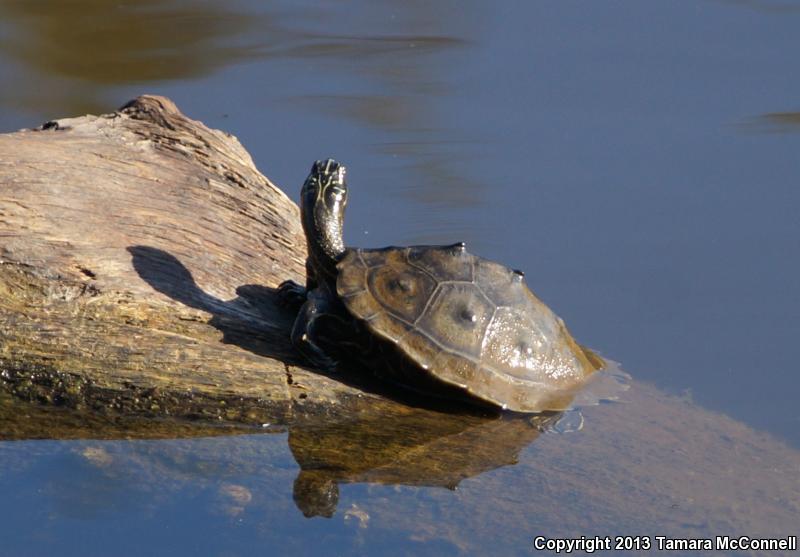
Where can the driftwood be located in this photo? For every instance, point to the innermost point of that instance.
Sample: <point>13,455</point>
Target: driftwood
<point>138,255</point>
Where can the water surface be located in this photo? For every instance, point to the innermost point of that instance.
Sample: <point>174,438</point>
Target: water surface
<point>638,161</point>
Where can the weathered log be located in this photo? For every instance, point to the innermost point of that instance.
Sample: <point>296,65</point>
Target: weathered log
<point>138,255</point>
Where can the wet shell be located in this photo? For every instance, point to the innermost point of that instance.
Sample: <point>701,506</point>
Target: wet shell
<point>467,322</point>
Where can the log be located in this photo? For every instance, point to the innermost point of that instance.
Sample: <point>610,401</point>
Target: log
<point>139,252</point>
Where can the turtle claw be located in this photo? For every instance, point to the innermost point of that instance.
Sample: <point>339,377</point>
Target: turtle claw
<point>291,294</point>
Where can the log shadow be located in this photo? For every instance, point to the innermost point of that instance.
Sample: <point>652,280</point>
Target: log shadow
<point>259,322</point>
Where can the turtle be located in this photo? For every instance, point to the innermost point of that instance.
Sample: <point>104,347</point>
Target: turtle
<point>435,319</point>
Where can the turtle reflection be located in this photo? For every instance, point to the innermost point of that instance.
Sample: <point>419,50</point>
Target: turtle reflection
<point>359,441</point>
<point>418,448</point>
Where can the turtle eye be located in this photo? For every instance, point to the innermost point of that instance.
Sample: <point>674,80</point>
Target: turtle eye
<point>338,190</point>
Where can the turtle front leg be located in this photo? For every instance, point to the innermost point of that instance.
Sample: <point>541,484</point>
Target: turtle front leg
<point>294,295</point>
<point>305,336</point>
<point>291,294</point>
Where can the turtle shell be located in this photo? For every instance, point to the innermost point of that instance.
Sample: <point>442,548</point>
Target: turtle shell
<point>467,322</point>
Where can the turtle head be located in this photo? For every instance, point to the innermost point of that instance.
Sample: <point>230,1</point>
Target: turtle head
<point>325,188</point>
<point>323,202</point>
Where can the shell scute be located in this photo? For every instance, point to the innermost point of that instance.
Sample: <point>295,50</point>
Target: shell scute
<point>513,345</point>
<point>400,289</point>
<point>444,262</point>
<point>501,285</point>
<point>352,274</point>
<point>457,318</point>
<point>455,369</point>
<point>419,347</point>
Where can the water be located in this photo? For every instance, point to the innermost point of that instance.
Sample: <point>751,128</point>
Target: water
<point>637,160</point>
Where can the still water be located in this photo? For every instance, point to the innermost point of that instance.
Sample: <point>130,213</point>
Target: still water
<point>637,160</point>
